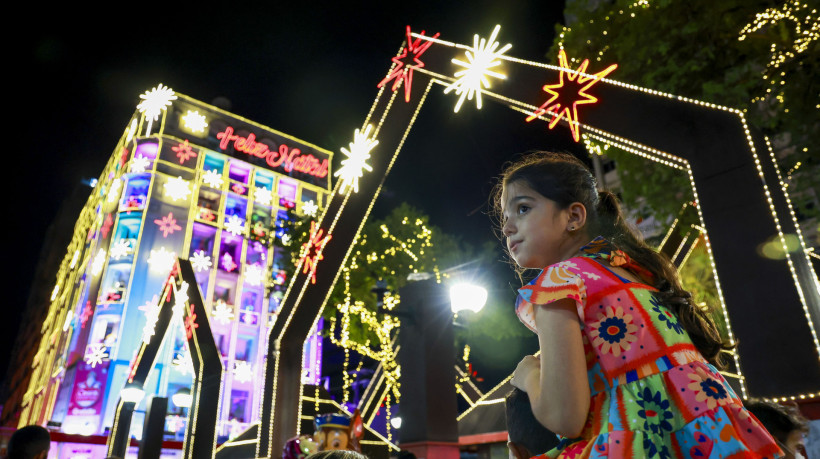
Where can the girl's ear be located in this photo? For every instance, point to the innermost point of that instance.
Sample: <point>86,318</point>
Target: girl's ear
<point>577,216</point>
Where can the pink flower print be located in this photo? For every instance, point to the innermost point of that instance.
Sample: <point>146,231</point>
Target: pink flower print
<point>707,389</point>
<point>614,331</point>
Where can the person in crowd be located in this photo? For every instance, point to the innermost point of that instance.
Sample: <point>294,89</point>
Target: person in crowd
<point>785,423</point>
<point>526,437</point>
<point>628,364</point>
<point>337,454</point>
<point>29,442</point>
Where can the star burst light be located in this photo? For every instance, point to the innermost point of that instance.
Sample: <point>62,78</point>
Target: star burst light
<point>481,58</point>
<point>262,195</point>
<point>567,95</point>
<point>97,264</point>
<point>352,167</point>
<point>176,188</point>
<point>154,102</point>
<point>242,371</point>
<point>120,249</point>
<point>228,263</point>
<point>114,191</point>
<point>200,261</point>
<point>194,121</point>
<point>406,62</point>
<point>285,239</point>
<point>140,164</point>
<point>151,310</point>
<point>95,354</point>
<point>183,363</point>
<point>254,275</point>
<point>213,178</point>
<point>310,208</point>
<point>317,243</point>
<point>167,224</point>
<point>161,260</point>
<point>190,322</point>
<point>235,225</point>
<point>223,313</point>
<point>184,151</point>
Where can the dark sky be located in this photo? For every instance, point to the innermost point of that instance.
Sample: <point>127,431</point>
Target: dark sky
<point>308,69</point>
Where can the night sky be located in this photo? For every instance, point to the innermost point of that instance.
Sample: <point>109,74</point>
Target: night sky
<point>308,69</point>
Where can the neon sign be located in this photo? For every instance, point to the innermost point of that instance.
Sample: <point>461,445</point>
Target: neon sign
<point>288,158</point>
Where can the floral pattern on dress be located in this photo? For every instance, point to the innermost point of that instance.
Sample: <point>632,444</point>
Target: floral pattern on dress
<point>665,316</point>
<point>614,331</point>
<point>707,389</point>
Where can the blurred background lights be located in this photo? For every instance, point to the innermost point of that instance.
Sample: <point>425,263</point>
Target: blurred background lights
<point>468,297</point>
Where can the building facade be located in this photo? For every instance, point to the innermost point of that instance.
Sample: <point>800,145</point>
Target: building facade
<point>186,180</point>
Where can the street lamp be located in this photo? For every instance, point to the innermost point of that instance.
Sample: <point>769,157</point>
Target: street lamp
<point>469,297</point>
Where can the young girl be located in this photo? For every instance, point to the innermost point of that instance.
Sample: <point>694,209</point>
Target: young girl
<point>638,377</point>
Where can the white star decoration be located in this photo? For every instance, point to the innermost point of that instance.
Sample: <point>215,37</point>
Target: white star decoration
<point>212,178</point>
<point>183,363</point>
<point>151,310</point>
<point>120,249</point>
<point>161,260</point>
<point>235,225</point>
<point>140,164</point>
<point>481,58</point>
<point>95,354</point>
<point>180,298</point>
<point>154,102</point>
<point>285,239</point>
<point>254,275</point>
<point>352,167</point>
<point>200,261</point>
<point>97,264</point>
<point>223,313</point>
<point>194,121</point>
<point>114,191</point>
<point>262,195</point>
<point>177,188</point>
<point>242,371</point>
<point>310,208</point>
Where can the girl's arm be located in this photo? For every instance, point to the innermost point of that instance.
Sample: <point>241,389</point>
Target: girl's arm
<point>557,383</point>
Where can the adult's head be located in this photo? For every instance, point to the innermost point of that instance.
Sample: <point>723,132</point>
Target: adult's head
<point>577,212</point>
<point>526,436</point>
<point>785,423</point>
<point>29,442</point>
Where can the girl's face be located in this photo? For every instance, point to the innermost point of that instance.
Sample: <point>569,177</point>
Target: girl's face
<point>535,227</point>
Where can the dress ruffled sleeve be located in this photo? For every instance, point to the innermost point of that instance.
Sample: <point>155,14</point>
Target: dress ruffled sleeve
<point>556,282</point>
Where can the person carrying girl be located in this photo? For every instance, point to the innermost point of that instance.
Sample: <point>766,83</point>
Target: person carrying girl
<point>628,364</point>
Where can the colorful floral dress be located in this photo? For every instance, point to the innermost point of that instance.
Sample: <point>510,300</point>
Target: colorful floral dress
<point>652,393</point>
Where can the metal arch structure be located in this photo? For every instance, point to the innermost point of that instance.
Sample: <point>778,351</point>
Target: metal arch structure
<point>200,433</point>
<point>772,306</point>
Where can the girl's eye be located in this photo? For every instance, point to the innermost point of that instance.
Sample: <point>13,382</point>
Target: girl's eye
<point>523,209</point>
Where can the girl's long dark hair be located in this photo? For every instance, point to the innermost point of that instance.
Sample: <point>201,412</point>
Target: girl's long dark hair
<point>564,179</point>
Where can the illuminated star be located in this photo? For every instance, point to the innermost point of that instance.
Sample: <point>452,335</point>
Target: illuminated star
<point>106,226</point>
<point>213,178</point>
<point>194,121</point>
<point>151,309</point>
<point>242,371</point>
<point>481,58</point>
<point>254,275</point>
<point>238,188</point>
<point>114,191</point>
<point>154,102</point>
<point>235,225</point>
<point>161,261</point>
<point>352,167</point>
<point>223,313</point>
<point>318,243</point>
<point>190,322</point>
<point>565,98</point>
<point>88,311</point>
<point>200,261</point>
<point>140,164</point>
<point>181,295</point>
<point>183,363</point>
<point>310,208</point>
<point>167,224</point>
<point>184,151</point>
<point>227,262</point>
<point>97,264</point>
<point>120,249</point>
<point>95,354</point>
<point>262,195</point>
<point>177,188</point>
<point>285,239</point>
<point>403,71</point>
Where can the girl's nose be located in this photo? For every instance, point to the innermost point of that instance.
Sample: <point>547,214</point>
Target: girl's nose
<point>508,228</point>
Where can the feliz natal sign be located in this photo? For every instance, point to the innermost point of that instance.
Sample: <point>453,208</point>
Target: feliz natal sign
<point>712,144</point>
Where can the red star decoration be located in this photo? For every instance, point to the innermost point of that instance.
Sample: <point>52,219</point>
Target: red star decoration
<point>184,151</point>
<point>190,322</point>
<point>238,189</point>
<point>106,226</point>
<point>168,224</point>
<point>318,243</point>
<point>567,96</point>
<point>403,71</point>
<point>88,311</point>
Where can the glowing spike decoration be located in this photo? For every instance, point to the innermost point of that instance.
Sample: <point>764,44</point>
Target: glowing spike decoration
<point>317,243</point>
<point>352,167</point>
<point>310,208</point>
<point>194,121</point>
<point>161,260</point>
<point>223,313</point>
<point>176,188</point>
<point>213,178</point>
<point>406,62</point>
<point>184,151</point>
<point>95,354</point>
<point>154,102</point>
<point>167,224</point>
<point>200,261</point>
<point>140,164</point>
<point>570,93</point>
<point>482,57</point>
<point>235,225</point>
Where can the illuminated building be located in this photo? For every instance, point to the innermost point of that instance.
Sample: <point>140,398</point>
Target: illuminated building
<point>185,180</point>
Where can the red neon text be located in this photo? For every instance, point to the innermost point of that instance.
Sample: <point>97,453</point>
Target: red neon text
<point>288,158</point>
